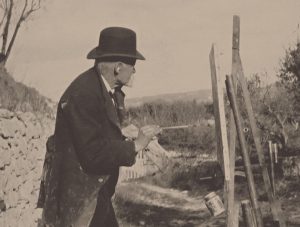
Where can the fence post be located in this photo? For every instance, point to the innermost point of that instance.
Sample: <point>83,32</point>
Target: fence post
<point>247,214</point>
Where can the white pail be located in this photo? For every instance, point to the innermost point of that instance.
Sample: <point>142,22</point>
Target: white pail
<point>214,204</point>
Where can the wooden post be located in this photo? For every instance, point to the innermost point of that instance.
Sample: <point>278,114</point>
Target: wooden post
<point>247,214</point>
<point>276,153</point>
<point>272,167</point>
<point>177,127</point>
<point>221,131</point>
<point>275,205</point>
<point>232,129</point>
<point>246,159</point>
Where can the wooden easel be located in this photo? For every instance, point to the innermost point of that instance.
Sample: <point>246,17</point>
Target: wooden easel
<point>226,156</point>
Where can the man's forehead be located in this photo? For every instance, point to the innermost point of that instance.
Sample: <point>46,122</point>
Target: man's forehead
<point>126,60</point>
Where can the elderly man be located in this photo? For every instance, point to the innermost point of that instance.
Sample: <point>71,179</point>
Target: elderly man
<point>88,140</point>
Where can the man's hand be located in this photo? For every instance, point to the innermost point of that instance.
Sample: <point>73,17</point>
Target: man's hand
<point>130,131</point>
<point>145,135</point>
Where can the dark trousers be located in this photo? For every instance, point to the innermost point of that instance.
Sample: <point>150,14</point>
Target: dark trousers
<point>104,215</point>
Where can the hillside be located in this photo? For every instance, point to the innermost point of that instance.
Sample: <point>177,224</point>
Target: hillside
<point>15,96</point>
<point>199,96</point>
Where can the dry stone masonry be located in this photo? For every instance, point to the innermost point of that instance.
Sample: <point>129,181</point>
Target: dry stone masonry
<point>22,149</point>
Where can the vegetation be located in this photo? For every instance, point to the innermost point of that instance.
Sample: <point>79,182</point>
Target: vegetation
<point>170,114</point>
<point>16,96</point>
<point>185,170</point>
<point>289,75</point>
<point>197,138</point>
<point>276,110</point>
<point>277,105</point>
<point>273,111</point>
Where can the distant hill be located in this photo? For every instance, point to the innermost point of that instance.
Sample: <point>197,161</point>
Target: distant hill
<point>199,96</point>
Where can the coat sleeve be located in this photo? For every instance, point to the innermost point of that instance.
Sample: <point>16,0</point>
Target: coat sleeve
<point>96,153</point>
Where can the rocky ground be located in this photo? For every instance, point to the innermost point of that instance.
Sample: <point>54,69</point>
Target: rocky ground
<point>22,150</point>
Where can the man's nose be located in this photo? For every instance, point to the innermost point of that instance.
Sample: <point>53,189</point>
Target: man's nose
<point>133,70</point>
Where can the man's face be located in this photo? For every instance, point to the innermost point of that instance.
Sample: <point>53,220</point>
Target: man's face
<point>124,76</point>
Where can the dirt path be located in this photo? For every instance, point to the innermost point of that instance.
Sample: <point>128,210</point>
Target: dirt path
<point>141,204</point>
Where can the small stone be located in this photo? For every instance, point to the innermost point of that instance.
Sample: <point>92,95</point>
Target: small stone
<point>11,199</point>
<point>4,113</point>
<point>142,222</point>
<point>5,158</point>
<point>4,143</point>
<point>9,127</point>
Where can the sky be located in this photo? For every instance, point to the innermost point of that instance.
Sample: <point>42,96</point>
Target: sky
<point>175,36</point>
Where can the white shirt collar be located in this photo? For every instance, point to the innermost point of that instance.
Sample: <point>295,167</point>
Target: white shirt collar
<point>108,88</point>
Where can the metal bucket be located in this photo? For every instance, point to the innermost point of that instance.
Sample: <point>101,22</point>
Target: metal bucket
<point>214,204</point>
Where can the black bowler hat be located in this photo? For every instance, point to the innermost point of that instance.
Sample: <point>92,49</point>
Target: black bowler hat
<point>116,42</point>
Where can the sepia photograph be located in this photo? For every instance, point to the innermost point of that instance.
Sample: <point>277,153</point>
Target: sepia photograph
<point>138,113</point>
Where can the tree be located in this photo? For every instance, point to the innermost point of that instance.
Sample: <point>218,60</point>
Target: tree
<point>13,13</point>
<point>275,110</point>
<point>289,74</point>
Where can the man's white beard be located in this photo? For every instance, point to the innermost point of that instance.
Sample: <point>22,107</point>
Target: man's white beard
<point>130,82</point>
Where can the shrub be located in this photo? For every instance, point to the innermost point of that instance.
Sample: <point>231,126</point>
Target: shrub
<point>184,175</point>
<point>200,137</point>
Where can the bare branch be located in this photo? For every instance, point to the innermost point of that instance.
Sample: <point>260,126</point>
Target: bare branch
<point>7,24</point>
<point>4,5</point>
<point>295,124</point>
<point>284,120</point>
<point>9,9</point>
<point>34,6</point>
<point>23,11</point>
<point>21,19</point>
<point>3,18</point>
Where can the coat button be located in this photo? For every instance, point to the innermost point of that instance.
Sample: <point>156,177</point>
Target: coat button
<point>100,180</point>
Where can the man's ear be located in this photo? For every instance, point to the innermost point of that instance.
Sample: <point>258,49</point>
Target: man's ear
<point>117,68</point>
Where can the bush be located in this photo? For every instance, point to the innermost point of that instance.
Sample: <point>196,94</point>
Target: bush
<point>200,137</point>
<point>170,114</point>
<point>184,175</point>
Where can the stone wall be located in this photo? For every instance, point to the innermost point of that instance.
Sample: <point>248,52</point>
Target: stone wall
<point>22,149</point>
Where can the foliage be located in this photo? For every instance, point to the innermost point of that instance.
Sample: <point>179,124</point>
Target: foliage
<point>189,174</point>
<point>185,171</point>
<point>289,74</point>
<point>200,137</point>
<point>170,114</point>
<point>274,109</point>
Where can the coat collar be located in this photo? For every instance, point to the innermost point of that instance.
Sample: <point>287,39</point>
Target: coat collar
<point>108,103</point>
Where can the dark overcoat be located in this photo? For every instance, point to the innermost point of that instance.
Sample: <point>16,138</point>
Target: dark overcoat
<point>91,148</point>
